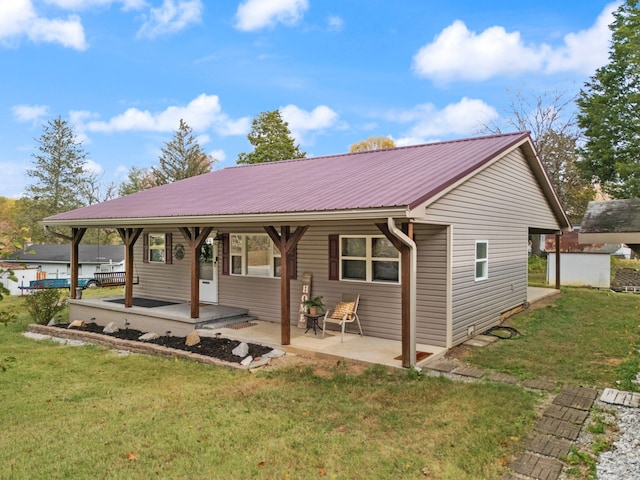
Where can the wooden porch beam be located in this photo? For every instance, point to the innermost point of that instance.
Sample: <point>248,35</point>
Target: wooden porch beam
<point>76,238</point>
<point>286,243</point>
<point>558,238</point>
<point>405,262</point>
<point>129,237</point>
<point>195,237</point>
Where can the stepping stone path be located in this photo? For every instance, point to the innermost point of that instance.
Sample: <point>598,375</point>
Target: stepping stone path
<point>554,434</point>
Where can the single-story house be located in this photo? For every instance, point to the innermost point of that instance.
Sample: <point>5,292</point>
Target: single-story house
<point>432,237</point>
<point>54,261</point>
<point>22,274</point>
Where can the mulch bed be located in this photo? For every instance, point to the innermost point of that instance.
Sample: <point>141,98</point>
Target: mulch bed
<point>219,348</point>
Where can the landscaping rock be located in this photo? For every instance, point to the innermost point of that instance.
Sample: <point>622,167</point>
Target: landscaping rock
<point>148,337</point>
<point>110,328</point>
<point>247,360</point>
<point>192,339</point>
<point>242,350</point>
<point>52,322</point>
<point>77,324</point>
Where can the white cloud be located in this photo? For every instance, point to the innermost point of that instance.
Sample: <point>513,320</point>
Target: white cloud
<point>86,4</point>
<point>219,155</point>
<point>335,23</point>
<point>172,16</point>
<point>257,14</point>
<point>301,121</point>
<point>30,113</point>
<point>19,19</point>
<point>93,167</point>
<point>202,113</point>
<point>458,53</point>
<point>463,118</point>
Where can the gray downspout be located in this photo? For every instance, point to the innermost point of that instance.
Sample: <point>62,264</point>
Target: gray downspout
<point>413,277</point>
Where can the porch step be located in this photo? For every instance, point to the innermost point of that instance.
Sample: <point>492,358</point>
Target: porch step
<point>218,323</point>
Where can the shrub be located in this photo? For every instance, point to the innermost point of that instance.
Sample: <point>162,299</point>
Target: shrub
<point>45,304</point>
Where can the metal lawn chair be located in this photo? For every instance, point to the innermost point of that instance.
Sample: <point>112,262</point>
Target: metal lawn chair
<point>345,311</point>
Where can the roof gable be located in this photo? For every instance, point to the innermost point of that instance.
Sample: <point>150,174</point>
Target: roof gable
<point>399,178</point>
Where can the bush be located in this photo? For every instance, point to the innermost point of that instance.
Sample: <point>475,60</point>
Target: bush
<point>45,304</point>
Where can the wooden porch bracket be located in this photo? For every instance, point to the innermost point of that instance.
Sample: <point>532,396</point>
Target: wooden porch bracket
<point>195,237</point>
<point>129,237</point>
<point>405,260</point>
<point>286,243</point>
<point>76,238</point>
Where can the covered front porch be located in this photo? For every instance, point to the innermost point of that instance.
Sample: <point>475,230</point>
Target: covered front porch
<point>236,323</point>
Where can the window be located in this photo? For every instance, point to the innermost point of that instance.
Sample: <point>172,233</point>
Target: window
<point>157,248</point>
<point>254,255</point>
<point>482,260</point>
<point>369,259</point>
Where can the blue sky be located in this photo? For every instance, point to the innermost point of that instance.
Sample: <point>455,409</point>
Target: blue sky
<point>124,72</point>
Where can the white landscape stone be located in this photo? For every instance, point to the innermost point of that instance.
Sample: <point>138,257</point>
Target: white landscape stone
<point>241,350</point>
<point>110,328</point>
<point>246,361</point>
<point>148,337</point>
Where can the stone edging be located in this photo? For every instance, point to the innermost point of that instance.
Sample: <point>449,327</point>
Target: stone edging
<point>132,346</point>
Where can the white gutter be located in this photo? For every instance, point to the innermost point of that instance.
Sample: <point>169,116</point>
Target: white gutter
<point>413,277</point>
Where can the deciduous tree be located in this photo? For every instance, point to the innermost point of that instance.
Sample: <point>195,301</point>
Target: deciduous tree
<point>271,139</point>
<point>372,143</point>
<point>609,107</point>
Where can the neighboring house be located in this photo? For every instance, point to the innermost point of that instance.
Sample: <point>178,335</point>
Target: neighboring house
<point>433,237</point>
<point>570,243</point>
<point>54,261</point>
<point>612,221</point>
<point>22,273</point>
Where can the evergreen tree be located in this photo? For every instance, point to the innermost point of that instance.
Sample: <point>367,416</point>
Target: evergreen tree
<point>182,157</point>
<point>271,139</point>
<point>59,178</point>
<point>610,110</point>
<point>138,179</point>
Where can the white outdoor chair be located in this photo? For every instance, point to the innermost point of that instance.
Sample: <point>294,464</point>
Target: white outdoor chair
<point>345,311</point>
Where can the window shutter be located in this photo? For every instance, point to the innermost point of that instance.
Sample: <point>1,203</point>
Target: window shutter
<point>334,257</point>
<point>292,268</point>
<point>168,246</point>
<point>225,254</point>
<point>145,248</point>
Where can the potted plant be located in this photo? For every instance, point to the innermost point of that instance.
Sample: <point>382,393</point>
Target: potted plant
<point>314,304</point>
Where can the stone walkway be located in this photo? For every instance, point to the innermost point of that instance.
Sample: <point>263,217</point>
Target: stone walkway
<point>553,434</point>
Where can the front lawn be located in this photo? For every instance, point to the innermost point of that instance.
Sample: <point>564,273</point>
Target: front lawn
<point>585,337</point>
<point>86,412</point>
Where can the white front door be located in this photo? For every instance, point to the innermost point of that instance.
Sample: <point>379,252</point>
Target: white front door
<point>209,271</point>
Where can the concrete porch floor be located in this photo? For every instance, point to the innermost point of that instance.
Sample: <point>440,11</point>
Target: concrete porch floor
<point>535,294</point>
<point>365,349</point>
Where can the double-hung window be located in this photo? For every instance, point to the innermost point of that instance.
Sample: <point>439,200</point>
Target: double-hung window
<point>482,260</point>
<point>254,255</point>
<point>157,248</point>
<point>369,258</point>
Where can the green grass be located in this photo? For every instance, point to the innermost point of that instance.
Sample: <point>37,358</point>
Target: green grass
<point>84,412</point>
<point>537,271</point>
<point>586,337</point>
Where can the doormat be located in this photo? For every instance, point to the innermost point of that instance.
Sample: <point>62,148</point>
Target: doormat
<point>419,356</point>
<point>238,326</point>
<point>144,302</point>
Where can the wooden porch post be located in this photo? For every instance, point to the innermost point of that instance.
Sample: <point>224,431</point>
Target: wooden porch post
<point>286,243</point>
<point>76,237</point>
<point>195,238</point>
<point>405,311</point>
<point>558,237</point>
<point>129,237</point>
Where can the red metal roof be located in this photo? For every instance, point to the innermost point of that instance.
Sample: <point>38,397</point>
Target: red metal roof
<point>397,177</point>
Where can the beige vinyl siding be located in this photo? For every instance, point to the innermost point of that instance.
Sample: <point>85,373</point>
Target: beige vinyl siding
<point>159,280</point>
<point>498,205</point>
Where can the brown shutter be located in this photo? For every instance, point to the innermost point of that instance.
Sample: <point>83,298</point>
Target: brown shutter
<point>225,253</point>
<point>168,248</point>
<point>145,248</point>
<point>334,257</point>
<point>292,269</point>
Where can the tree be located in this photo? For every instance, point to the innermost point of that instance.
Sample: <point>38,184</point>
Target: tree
<point>139,179</point>
<point>59,176</point>
<point>182,157</point>
<point>271,139</point>
<point>609,110</point>
<point>372,143</point>
<point>549,119</point>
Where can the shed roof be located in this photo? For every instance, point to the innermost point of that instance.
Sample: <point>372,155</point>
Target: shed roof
<point>397,178</point>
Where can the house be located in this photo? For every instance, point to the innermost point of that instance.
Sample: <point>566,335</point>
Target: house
<point>612,221</point>
<point>433,237</point>
<point>54,261</point>
<point>22,274</point>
